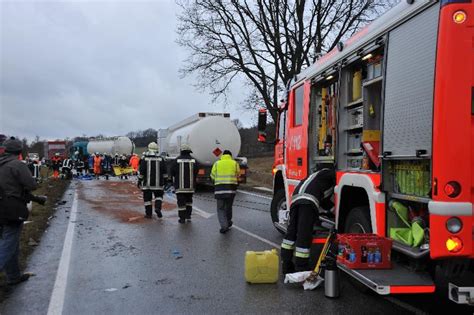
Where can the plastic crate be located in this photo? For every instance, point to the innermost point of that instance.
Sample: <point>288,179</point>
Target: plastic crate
<point>364,251</point>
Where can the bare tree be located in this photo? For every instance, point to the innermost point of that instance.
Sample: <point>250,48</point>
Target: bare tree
<point>266,42</point>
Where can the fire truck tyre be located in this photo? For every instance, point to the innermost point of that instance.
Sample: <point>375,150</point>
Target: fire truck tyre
<point>358,221</point>
<point>278,203</point>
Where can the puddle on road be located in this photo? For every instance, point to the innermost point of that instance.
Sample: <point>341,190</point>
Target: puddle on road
<point>118,199</point>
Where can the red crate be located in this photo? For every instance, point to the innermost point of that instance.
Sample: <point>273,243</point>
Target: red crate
<point>364,251</point>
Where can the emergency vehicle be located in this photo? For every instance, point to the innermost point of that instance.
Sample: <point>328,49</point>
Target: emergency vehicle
<point>392,108</point>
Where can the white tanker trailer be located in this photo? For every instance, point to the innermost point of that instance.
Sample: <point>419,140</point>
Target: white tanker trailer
<point>208,135</point>
<point>119,145</point>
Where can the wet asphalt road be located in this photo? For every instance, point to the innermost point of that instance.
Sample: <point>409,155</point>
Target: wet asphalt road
<point>121,263</point>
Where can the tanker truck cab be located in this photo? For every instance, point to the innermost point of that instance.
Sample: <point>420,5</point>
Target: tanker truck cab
<point>397,120</point>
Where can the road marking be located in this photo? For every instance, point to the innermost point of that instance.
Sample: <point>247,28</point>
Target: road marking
<point>264,189</point>
<point>202,213</point>
<point>207,215</point>
<point>255,195</point>
<point>256,236</point>
<point>56,303</point>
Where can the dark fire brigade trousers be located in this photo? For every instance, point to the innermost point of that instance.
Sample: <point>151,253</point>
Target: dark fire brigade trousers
<point>298,238</point>
<point>147,200</point>
<point>185,205</point>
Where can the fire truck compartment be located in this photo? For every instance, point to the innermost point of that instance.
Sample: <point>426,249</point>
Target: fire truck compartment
<point>397,280</point>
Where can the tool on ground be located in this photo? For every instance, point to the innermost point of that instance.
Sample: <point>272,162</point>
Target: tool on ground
<point>312,279</point>
<point>315,279</point>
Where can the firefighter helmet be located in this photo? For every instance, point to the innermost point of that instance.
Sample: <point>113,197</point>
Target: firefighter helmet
<point>152,146</point>
<point>185,147</point>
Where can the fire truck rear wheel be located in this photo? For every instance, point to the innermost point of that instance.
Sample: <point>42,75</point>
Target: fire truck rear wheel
<point>358,221</point>
<point>278,202</point>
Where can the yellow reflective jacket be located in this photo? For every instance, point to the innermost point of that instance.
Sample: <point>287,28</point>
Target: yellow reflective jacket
<point>225,174</point>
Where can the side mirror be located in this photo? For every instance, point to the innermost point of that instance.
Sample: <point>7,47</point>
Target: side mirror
<point>262,125</point>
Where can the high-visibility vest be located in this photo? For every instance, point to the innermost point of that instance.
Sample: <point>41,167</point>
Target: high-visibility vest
<point>225,171</point>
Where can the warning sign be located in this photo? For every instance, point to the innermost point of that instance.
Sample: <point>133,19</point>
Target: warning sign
<point>217,151</point>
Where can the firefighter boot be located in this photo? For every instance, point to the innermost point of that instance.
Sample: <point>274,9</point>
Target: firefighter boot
<point>302,264</point>
<point>148,211</point>
<point>189,210</point>
<point>158,208</point>
<point>287,265</point>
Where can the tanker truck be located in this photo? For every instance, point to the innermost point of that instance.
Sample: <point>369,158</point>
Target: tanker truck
<point>119,145</point>
<point>208,135</point>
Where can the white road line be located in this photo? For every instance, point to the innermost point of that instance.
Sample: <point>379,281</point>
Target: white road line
<point>256,236</point>
<point>207,215</point>
<point>56,303</point>
<point>264,189</point>
<point>255,195</point>
<point>202,213</point>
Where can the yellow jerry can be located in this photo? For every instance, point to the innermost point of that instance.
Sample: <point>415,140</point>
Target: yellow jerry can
<point>262,267</point>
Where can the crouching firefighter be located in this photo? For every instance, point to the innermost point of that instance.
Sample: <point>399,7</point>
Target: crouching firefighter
<point>184,170</point>
<point>312,194</point>
<point>151,180</point>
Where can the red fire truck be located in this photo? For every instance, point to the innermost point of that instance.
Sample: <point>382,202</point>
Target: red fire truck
<point>392,108</point>
<point>53,147</point>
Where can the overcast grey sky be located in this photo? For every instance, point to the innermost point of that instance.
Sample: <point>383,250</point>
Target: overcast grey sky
<point>94,67</point>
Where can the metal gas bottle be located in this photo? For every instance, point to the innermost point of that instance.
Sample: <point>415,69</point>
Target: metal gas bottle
<point>331,279</point>
<point>262,267</point>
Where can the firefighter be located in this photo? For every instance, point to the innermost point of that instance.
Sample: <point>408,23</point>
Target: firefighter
<point>183,171</point>
<point>225,174</point>
<point>79,166</point>
<point>90,164</point>
<point>134,163</point>
<point>311,194</point>
<point>116,160</point>
<point>56,163</point>
<point>123,167</point>
<point>151,180</point>
<point>66,169</point>
<point>34,167</point>
<point>106,165</point>
<point>97,163</point>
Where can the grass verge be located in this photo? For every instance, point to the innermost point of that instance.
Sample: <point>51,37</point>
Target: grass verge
<point>260,172</point>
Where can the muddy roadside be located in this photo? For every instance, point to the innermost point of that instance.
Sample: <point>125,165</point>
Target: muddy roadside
<point>37,223</point>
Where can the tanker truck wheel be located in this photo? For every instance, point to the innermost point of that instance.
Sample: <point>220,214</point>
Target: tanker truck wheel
<point>279,211</point>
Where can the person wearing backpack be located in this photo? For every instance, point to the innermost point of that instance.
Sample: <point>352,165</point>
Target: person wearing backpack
<point>16,184</point>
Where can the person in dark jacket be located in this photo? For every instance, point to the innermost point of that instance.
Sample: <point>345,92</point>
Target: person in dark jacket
<point>16,184</point>
<point>66,169</point>
<point>106,165</point>
<point>151,172</point>
<point>123,163</point>
<point>184,170</point>
<point>311,194</point>
<point>56,163</point>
